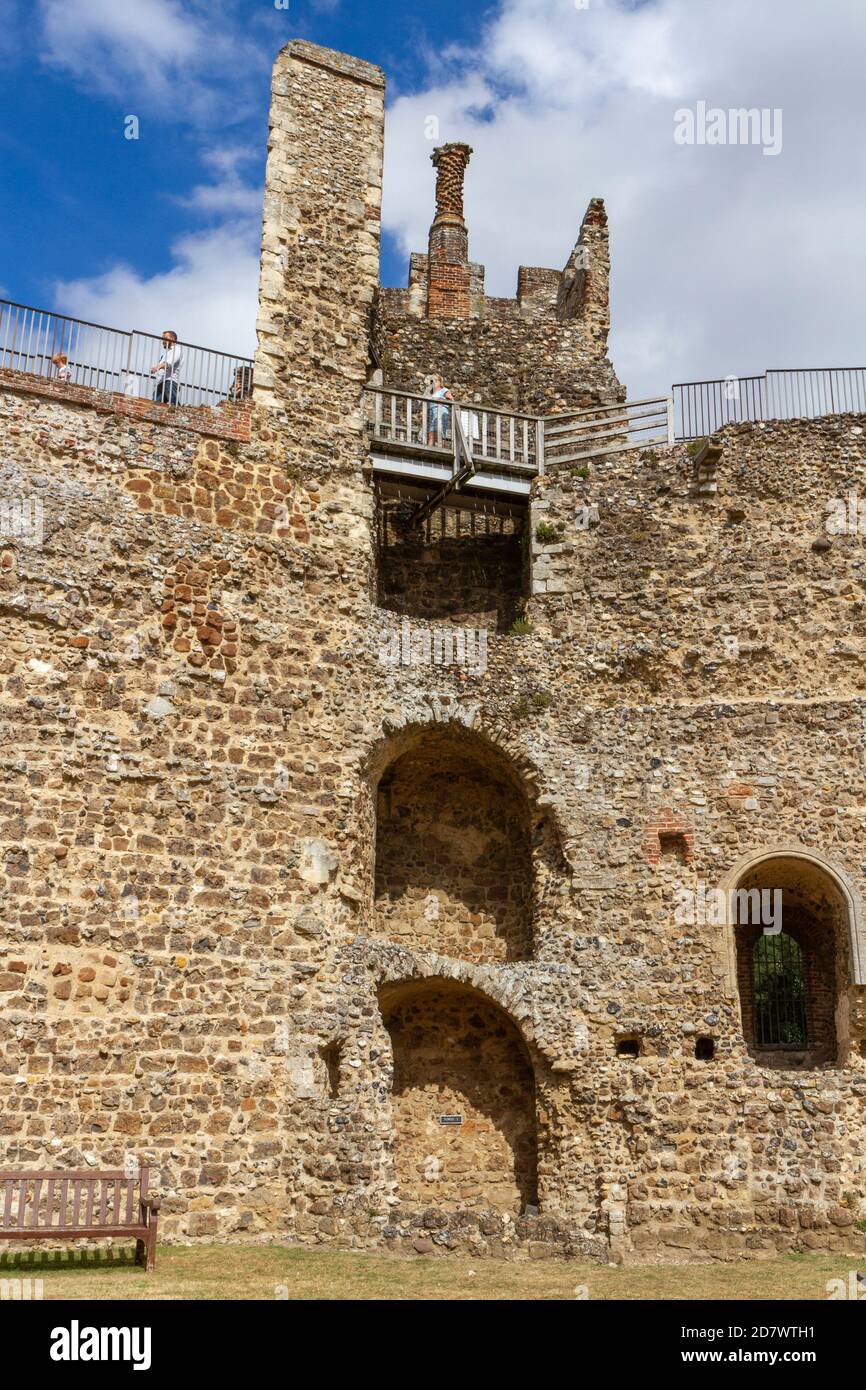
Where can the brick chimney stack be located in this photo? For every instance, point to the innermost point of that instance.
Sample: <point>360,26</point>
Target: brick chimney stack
<point>448,249</point>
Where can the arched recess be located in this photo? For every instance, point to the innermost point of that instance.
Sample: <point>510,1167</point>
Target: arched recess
<point>463,860</point>
<point>463,1099</point>
<point>794,984</point>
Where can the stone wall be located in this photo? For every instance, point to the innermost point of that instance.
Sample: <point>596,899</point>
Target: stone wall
<point>461,567</point>
<point>453,855</point>
<point>225,421</point>
<point>502,359</point>
<point>464,1103</point>
<point>542,352</point>
<point>200,961</point>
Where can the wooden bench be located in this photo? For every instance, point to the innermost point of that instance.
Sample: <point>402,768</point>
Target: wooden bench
<point>72,1205</point>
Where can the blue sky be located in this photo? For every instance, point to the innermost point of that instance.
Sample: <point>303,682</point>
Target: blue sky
<point>78,196</point>
<point>725,260</point>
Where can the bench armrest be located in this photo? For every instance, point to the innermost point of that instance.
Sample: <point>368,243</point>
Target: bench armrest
<point>152,1202</point>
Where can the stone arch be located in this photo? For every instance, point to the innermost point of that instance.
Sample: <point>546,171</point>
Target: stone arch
<point>462,853</point>
<point>508,992</point>
<point>462,1098</point>
<point>822,926</point>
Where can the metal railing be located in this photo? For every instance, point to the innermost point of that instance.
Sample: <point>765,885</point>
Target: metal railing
<point>702,407</point>
<point>90,354</point>
<point>499,439</point>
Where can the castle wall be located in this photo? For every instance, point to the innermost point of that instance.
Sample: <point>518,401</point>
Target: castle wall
<point>203,954</point>
<point>464,1103</point>
<point>503,359</point>
<point>453,856</point>
<point>189,847</point>
<point>542,352</point>
<point>462,567</point>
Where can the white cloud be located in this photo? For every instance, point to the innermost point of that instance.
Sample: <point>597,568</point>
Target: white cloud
<point>208,296</point>
<point>174,57</point>
<point>229,193</point>
<point>723,260</point>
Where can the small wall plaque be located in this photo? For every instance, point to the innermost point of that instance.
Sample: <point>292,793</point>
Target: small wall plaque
<point>450,1119</point>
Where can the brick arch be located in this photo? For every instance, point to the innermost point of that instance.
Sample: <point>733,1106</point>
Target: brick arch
<point>821,914</point>
<point>462,855</point>
<point>850,895</point>
<point>463,1110</point>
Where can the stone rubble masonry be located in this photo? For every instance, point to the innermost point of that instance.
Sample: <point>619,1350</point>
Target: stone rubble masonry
<point>320,244</point>
<point>227,421</point>
<point>543,352</point>
<point>345,948</point>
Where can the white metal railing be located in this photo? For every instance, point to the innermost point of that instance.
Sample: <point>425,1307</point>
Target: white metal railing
<point>498,439</point>
<point>109,359</point>
<point>607,429</point>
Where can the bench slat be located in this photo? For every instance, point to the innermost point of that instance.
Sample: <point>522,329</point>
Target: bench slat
<point>86,1174</point>
<point>102,1203</point>
<point>71,1232</point>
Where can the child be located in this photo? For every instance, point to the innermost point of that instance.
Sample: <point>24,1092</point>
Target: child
<point>63,370</point>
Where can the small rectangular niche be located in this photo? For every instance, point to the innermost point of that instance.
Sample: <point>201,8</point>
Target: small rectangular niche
<point>672,847</point>
<point>705,1049</point>
<point>331,1054</point>
<point>628,1046</point>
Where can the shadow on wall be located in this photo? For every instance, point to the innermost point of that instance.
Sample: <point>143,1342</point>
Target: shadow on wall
<point>459,567</point>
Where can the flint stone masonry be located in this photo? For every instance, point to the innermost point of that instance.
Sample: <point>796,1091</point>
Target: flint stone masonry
<point>274,910</point>
<point>543,352</point>
<point>460,568</point>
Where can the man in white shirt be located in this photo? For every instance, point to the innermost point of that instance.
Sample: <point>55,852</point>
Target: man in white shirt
<point>167,369</point>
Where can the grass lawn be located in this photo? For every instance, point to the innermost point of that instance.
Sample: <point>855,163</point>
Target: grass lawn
<point>280,1271</point>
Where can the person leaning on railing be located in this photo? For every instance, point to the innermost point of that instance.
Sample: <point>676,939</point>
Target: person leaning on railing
<point>62,369</point>
<point>167,369</point>
<point>439,416</point>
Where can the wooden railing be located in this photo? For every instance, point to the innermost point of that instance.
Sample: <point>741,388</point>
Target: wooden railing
<point>497,439</point>
<point>607,429</point>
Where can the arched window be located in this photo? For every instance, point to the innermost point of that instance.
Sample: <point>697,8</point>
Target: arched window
<point>780,992</point>
<point>792,941</point>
